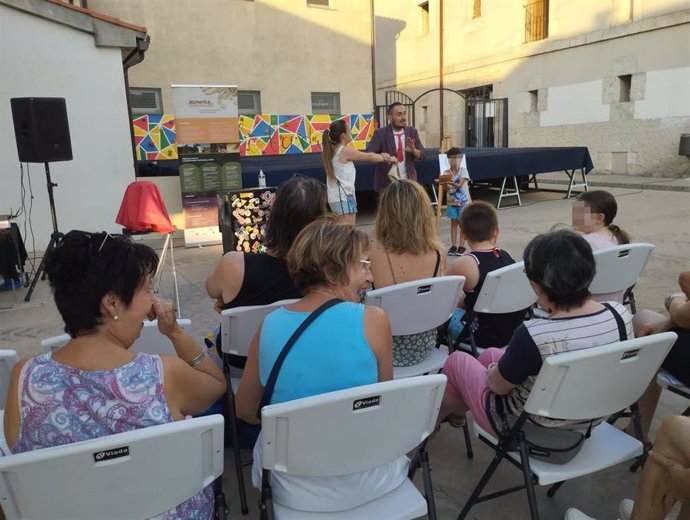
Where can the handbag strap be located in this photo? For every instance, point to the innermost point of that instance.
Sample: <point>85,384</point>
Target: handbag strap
<point>622,333</point>
<point>273,376</point>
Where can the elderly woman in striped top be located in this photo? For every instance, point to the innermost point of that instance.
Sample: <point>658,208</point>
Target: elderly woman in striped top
<point>560,266</point>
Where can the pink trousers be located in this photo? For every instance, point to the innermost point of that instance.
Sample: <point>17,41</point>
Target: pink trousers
<point>467,381</point>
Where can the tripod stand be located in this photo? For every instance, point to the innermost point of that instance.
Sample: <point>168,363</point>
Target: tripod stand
<point>55,237</point>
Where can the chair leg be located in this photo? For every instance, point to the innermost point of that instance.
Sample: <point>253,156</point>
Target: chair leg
<point>234,437</point>
<point>552,490</point>
<point>428,487</point>
<point>527,475</point>
<point>468,439</point>
<point>220,507</point>
<point>481,485</point>
<point>266,502</point>
<point>637,425</point>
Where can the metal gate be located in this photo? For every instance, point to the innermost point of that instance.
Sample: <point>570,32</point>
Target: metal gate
<point>486,123</point>
<point>486,120</point>
<point>394,96</point>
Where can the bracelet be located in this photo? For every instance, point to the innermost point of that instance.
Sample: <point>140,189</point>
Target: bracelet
<point>671,297</point>
<point>198,359</point>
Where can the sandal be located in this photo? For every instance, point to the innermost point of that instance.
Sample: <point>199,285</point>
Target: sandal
<point>455,421</point>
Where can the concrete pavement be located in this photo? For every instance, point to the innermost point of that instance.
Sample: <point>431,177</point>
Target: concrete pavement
<point>649,215</point>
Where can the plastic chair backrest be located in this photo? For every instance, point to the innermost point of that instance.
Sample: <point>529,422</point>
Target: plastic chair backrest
<point>419,305</point>
<point>619,267</point>
<point>597,381</point>
<point>239,325</point>
<point>8,358</point>
<point>137,474</point>
<point>150,341</point>
<point>367,426</point>
<point>505,290</point>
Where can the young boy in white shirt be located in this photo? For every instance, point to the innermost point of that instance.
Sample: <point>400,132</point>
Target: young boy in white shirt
<point>458,197</point>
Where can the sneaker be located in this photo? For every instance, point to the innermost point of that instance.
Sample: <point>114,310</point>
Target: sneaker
<point>452,251</point>
<point>460,250</point>
<point>11,284</point>
<point>576,514</point>
<point>625,508</point>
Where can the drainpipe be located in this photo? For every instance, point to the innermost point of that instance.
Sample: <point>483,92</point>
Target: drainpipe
<point>440,68</point>
<point>373,56</point>
<point>133,58</point>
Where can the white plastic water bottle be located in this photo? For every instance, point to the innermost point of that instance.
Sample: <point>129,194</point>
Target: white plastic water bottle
<point>262,179</point>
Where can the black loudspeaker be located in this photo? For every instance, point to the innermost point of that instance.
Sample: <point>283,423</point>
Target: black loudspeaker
<point>41,129</point>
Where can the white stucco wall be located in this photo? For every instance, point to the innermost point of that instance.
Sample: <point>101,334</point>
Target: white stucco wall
<point>45,59</point>
<point>575,104</point>
<point>667,94</point>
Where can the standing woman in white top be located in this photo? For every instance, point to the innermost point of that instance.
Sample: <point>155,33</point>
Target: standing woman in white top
<point>340,170</point>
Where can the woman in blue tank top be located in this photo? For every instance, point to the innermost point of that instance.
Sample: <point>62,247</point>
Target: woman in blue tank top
<point>348,345</point>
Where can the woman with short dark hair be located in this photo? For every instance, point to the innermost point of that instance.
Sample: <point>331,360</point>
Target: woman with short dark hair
<point>348,345</point>
<point>560,266</point>
<point>94,386</point>
<point>241,279</point>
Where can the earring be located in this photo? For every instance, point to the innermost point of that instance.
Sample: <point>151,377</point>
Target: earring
<point>116,317</point>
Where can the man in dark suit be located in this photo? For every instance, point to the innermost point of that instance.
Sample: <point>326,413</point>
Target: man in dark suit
<point>398,140</point>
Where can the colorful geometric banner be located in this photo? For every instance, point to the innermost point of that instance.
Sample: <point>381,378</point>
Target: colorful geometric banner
<point>268,134</point>
<point>154,137</point>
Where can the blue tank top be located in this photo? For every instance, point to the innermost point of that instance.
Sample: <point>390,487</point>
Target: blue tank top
<point>332,354</point>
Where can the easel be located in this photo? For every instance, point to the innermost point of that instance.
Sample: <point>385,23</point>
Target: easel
<point>440,205</point>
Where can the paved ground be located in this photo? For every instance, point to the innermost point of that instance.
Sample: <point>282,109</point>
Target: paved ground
<point>659,217</point>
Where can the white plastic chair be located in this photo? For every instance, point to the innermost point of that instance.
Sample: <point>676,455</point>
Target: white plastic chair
<point>579,385</point>
<point>150,341</point>
<point>8,358</point>
<point>137,474</point>
<point>398,417</point>
<point>237,329</point>
<point>619,268</point>
<point>669,382</point>
<point>504,290</point>
<point>415,307</point>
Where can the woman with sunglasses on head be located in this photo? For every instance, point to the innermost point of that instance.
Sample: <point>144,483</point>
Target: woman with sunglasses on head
<point>338,162</point>
<point>593,214</point>
<point>348,345</point>
<point>95,386</point>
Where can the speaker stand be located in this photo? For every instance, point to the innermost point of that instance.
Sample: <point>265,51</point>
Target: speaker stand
<point>55,237</point>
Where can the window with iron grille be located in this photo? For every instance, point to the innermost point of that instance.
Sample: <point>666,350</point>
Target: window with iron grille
<point>536,20</point>
<point>249,102</point>
<point>325,103</point>
<point>146,100</point>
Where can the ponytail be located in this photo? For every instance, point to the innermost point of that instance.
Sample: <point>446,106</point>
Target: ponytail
<point>327,151</point>
<point>331,137</point>
<point>620,235</point>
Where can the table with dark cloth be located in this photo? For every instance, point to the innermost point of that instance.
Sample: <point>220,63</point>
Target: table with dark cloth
<point>12,252</point>
<point>484,164</point>
<point>496,163</point>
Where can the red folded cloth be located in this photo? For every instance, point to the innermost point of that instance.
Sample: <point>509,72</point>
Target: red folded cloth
<point>143,209</point>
